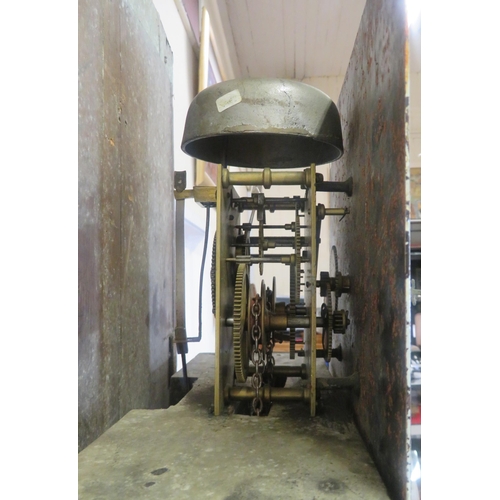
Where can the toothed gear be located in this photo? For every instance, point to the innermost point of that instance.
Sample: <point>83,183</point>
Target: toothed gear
<point>261,246</point>
<point>292,310</point>
<point>340,321</point>
<point>240,332</point>
<point>264,310</point>
<point>327,314</point>
<point>298,249</point>
<point>212,272</point>
<point>295,282</point>
<point>273,297</point>
<point>335,272</point>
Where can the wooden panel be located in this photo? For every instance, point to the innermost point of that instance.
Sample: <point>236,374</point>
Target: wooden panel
<point>93,392</point>
<point>147,206</point>
<point>371,241</point>
<point>99,220</point>
<point>125,212</point>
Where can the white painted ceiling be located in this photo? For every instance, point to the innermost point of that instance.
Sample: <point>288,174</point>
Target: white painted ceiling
<point>303,40</point>
<point>292,38</point>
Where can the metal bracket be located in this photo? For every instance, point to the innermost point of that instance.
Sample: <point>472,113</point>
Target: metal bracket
<point>180,181</point>
<point>335,187</point>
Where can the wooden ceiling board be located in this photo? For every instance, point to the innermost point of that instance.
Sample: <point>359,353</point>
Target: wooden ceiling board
<point>289,38</point>
<point>242,36</point>
<point>299,42</point>
<point>311,15</point>
<point>292,38</point>
<point>267,27</point>
<point>323,55</point>
<point>349,18</point>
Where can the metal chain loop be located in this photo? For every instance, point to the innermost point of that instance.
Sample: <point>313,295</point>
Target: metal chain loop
<point>257,359</point>
<point>256,380</point>
<point>257,355</point>
<point>256,309</point>
<point>256,332</point>
<point>257,405</point>
<point>270,360</point>
<point>262,355</point>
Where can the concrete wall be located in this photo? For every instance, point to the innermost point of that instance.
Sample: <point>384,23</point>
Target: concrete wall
<point>125,213</point>
<point>371,241</point>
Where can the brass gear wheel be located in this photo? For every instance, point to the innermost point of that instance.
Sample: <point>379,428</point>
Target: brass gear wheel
<point>334,271</point>
<point>240,331</point>
<point>263,314</point>
<point>273,297</point>
<point>341,321</point>
<point>213,272</point>
<point>327,314</point>
<point>261,246</point>
<point>298,247</point>
<point>295,281</point>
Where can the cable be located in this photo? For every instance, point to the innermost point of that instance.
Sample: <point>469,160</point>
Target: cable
<point>187,382</point>
<point>200,295</point>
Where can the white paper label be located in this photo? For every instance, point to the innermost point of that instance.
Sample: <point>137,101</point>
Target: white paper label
<point>228,100</point>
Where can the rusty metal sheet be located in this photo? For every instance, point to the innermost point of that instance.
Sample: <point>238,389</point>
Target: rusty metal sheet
<point>125,212</point>
<point>371,241</point>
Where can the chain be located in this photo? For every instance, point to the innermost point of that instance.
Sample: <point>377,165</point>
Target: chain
<point>263,361</point>
<point>257,356</point>
<point>269,350</point>
<point>270,360</point>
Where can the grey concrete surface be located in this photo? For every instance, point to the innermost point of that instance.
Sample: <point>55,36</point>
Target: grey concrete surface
<point>185,452</point>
